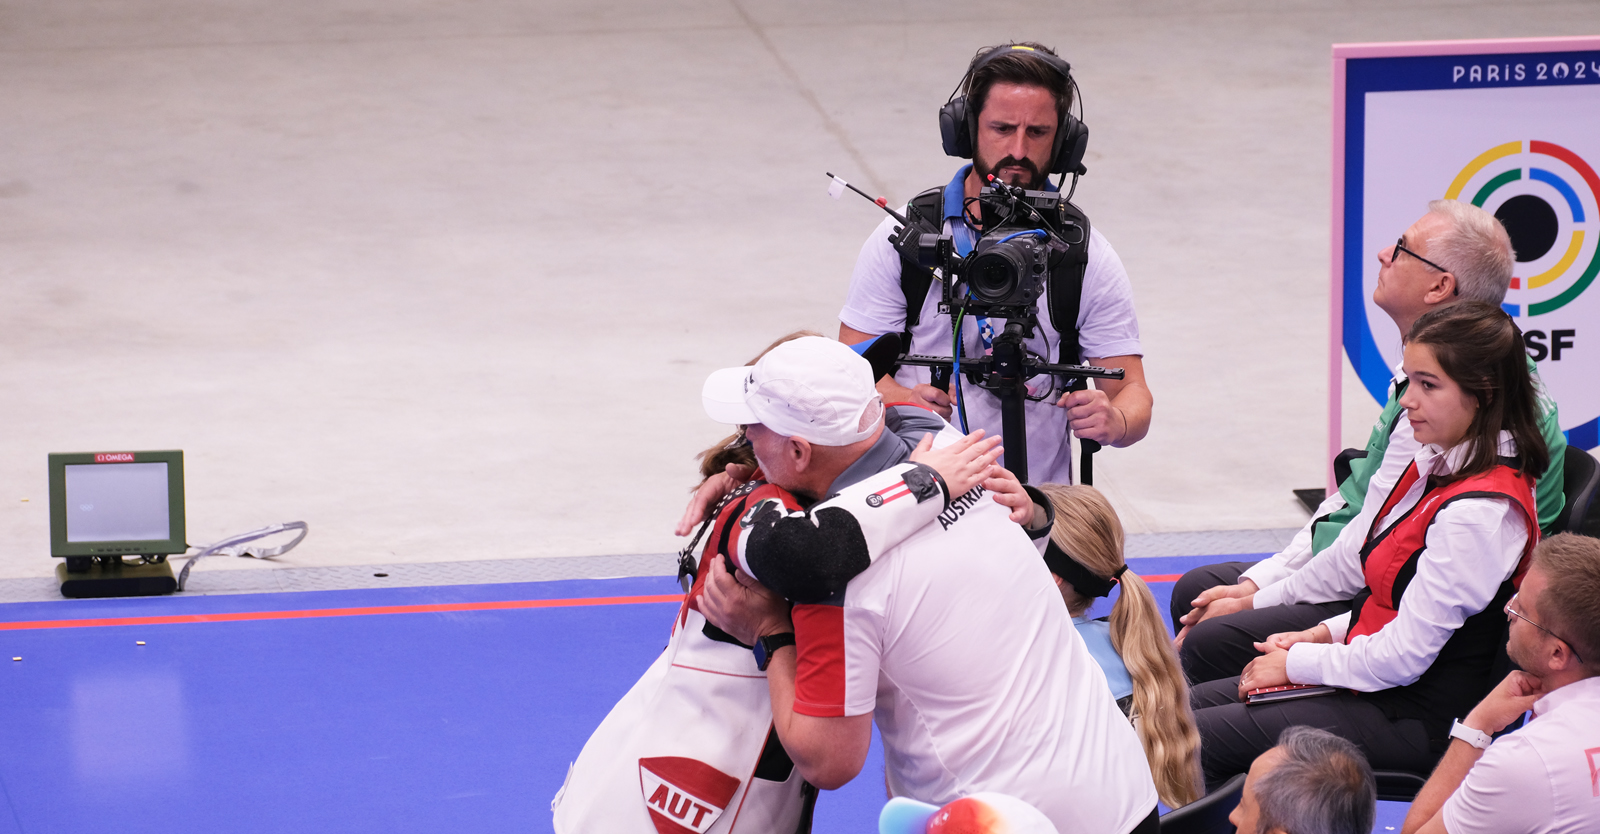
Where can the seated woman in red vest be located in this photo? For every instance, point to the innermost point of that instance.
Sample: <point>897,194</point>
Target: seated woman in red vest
<point>1428,580</point>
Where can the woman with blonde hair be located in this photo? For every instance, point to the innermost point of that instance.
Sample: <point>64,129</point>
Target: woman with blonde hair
<point>1133,648</point>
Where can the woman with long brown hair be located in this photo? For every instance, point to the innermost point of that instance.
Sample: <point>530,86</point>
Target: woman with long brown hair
<point>1427,581</point>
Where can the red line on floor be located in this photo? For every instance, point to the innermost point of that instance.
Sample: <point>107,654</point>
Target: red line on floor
<point>437,608</point>
<point>245,616</point>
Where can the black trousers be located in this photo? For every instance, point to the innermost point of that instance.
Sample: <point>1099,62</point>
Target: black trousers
<point>1221,646</point>
<point>1232,735</point>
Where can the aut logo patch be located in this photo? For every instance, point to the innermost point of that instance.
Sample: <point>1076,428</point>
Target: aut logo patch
<point>874,500</point>
<point>684,796</point>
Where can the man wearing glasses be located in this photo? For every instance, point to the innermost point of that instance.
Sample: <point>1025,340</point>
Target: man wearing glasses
<point>1545,776</point>
<point>1456,251</point>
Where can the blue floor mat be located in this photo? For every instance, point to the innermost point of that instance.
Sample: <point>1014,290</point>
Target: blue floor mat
<point>258,719</point>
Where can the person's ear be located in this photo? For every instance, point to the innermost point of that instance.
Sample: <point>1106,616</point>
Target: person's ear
<point>799,451</point>
<point>1444,288</point>
<point>1562,658</point>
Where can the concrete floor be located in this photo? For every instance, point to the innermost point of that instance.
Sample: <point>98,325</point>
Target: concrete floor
<point>443,279</point>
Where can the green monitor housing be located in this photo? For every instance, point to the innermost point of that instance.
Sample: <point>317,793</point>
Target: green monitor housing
<point>113,504</point>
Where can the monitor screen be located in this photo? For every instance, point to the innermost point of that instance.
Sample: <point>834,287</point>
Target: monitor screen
<point>117,502</point>
<point>110,504</point>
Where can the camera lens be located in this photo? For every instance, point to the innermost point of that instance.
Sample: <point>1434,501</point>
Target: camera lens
<point>994,275</point>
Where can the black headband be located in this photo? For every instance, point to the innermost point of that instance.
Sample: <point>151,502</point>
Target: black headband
<point>1086,582</point>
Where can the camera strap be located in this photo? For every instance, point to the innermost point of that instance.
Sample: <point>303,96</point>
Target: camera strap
<point>925,212</point>
<point>1064,292</point>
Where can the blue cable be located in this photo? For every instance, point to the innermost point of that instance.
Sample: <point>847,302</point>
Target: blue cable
<point>955,373</point>
<point>1039,232</point>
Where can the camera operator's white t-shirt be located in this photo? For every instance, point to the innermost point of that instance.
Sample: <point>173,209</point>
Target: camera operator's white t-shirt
<point>1107,326</point>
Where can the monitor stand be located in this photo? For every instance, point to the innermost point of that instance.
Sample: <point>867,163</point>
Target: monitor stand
<point>84,577</point>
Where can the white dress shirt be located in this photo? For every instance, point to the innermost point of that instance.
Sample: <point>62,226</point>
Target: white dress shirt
<point>1473,546</point>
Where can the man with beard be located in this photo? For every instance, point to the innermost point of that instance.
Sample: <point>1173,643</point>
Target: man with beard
<point>1012,118</point>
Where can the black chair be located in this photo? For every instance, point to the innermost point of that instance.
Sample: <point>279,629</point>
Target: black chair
<point>1398,785</point>
<point>1342,461</point>
<point>1580,479</point>
<point>1403,785</point>
<point>1209,813</point>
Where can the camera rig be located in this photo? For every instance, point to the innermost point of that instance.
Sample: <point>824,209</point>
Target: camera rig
<point>1025,234</point>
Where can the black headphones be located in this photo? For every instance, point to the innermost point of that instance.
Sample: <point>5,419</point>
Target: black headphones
<point>958,125</point>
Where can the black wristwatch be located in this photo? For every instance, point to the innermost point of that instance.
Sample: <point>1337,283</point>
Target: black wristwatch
<point>766,646</point>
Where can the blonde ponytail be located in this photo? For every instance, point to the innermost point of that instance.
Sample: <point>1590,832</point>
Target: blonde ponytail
<point>1088,530</point>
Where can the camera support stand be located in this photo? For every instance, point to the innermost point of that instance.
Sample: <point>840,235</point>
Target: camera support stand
<point>1006,372</point>
<point>1002,277</point>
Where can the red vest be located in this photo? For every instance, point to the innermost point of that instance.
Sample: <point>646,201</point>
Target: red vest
<point>1389,561</point>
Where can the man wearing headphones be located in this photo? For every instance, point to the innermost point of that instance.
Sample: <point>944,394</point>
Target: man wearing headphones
<point>1011,117</point>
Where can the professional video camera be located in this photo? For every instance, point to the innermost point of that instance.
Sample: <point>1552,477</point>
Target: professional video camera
<point>1004,276</point>
<point>1025,233</point>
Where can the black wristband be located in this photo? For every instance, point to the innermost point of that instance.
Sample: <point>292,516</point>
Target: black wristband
<point>925,483</point>
<point>766,647</point>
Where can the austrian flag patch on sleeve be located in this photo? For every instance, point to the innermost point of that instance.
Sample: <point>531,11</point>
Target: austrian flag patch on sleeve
<point>889,493</point>
<point>684,796</point>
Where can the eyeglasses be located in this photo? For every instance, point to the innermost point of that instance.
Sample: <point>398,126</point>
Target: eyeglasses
<point>1524,617</point>
<point>1400,246</point>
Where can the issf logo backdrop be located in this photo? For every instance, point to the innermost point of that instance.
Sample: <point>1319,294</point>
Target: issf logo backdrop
<point>1527,154</point>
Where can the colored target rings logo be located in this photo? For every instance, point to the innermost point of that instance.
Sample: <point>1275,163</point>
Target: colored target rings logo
<point>1548,198</point>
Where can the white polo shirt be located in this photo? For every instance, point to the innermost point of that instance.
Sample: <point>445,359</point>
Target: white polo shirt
<point>1544,777</point>
<point>956,640</point>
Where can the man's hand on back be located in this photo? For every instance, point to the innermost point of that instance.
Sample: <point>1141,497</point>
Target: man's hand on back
<point>963,464</point>
<point>968,463</point>
<point>1007,491</point>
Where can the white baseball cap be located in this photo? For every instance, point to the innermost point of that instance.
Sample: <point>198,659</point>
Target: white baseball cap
<point>811,387</point>
<point>979,813</point>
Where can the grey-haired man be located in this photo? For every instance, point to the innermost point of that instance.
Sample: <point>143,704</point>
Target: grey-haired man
<point>1313,782</point>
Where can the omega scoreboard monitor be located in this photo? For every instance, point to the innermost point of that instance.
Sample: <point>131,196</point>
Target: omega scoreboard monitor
<point>105,506</point>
